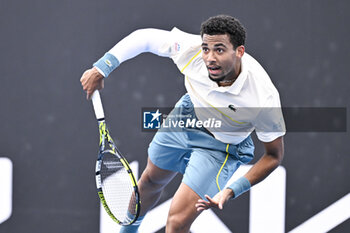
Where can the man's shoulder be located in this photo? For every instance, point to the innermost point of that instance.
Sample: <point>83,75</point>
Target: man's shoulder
<point>253,65</point>
<point>185,37</point>
<point>259,78</point>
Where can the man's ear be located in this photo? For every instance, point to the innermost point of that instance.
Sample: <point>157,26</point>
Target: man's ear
<point>240,51</point>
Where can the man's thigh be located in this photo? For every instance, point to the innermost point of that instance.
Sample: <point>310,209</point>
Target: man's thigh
<point>169,156</point>
<point>208,171</point>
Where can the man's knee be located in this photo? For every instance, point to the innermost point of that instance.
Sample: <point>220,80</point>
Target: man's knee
<point>182,211</point>
<point>177,223</point>
<point>147,181</point>
<point>155,178</point>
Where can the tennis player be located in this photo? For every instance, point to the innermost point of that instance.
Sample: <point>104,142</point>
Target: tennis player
<point>222,82</point>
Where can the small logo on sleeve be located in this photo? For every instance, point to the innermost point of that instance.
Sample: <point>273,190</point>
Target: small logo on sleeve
<point>108,63</point>
<point>177,47</point>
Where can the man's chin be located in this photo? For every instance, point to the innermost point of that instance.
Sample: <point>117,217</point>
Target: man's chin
<point>216,78</point>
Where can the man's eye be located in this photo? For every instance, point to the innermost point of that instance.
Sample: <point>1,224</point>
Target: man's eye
<point>205,49</point>
<point>220,50</point>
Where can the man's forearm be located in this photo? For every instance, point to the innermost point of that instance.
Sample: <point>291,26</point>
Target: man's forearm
<point>140,41</point>
<point>274,152</point>
<point>263,168</point>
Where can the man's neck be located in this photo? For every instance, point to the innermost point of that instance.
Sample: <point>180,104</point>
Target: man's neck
<point>229,82</point>
<point>225,83</point>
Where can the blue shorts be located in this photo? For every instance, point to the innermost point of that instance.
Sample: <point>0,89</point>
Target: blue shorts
<point>196,154</point>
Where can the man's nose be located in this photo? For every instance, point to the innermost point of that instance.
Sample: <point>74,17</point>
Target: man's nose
<point>211,57</point>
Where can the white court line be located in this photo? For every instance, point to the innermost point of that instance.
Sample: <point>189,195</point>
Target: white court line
<point>328,218</point>
<point>5,189</point>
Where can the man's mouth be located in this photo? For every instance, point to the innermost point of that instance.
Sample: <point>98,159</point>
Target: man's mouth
<point>214,70</point>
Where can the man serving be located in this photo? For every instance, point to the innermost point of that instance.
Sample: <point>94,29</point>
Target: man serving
<point>222,82</point>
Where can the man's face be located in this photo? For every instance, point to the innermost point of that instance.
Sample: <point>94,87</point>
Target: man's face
<point>221,59</point>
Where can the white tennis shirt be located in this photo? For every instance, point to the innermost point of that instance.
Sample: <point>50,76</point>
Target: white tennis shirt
<point>254,100</point>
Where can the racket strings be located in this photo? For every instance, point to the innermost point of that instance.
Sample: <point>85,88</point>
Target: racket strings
<point>118,188</point>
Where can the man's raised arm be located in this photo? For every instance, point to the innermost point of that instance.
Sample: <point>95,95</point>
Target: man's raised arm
<point>139,41</point>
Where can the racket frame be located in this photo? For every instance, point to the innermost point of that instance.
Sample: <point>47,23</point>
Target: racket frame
<point>112,149</point>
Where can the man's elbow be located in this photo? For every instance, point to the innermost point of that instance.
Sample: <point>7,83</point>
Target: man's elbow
<point>279,157</point>
<point>277,151</point>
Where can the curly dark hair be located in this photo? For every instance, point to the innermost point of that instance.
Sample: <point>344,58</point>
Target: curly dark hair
<point>225,24</point>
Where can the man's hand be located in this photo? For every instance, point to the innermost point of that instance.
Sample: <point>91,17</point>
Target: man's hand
<point>217,201</point>
<point>91,80</point>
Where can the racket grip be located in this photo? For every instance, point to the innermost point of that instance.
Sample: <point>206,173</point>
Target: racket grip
<point>97,103</point>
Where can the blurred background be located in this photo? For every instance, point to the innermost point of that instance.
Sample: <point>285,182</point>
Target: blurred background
<point>48,128</point>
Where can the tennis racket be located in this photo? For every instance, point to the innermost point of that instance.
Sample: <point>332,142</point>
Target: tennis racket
<point>116,184</point>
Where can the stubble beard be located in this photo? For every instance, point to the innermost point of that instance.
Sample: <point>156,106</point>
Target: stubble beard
<point>219,79</point>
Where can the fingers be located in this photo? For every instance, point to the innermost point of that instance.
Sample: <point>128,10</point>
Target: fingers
<point>86,87</point>
<point>89,94</point>
<point>91,80</point>
<point>226,195</point>
<point>202,205</point>
<point>218,203</point>
<point>221,204</point>
<point>210,199</point>
<point>84,79</point>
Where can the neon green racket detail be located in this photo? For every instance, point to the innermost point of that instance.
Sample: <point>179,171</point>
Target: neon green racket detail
<point>115,181</point>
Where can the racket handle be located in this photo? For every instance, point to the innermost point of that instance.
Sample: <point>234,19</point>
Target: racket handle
<point>97,103</point>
